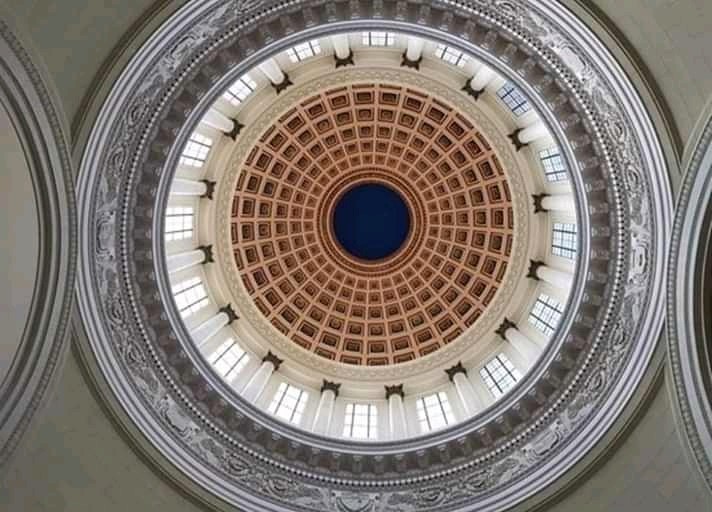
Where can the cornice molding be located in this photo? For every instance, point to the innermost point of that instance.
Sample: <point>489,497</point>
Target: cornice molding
<point>39,124</point>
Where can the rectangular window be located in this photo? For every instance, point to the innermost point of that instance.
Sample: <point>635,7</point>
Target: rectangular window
<point>303,51</point>
<point>563,240</point>
<point>554,168</point>
<point>288,403</point>
<point>190,296</point>
<point>434,412</point>
<point>179,223</point>
<point>378,38</point>
<point>514,99</point>
<point>196,150</point>
<point>361,421</point>
<point>499,375</point>
<point>241,89</point>
<point>451,55</point>
<point>545,314</point>
<point>229,359</point>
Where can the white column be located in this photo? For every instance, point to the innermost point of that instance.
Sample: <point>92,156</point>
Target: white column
<point>218,120</point>
<point>183,187</point>
<point>535,131</point>
<point>483,77</point>
<point>527,348</point>
<point>556,278</point>
<point>256,385</point>
<point>183,260</point>
<point>209,328</point>
<point>415,48</point>
<point>559,203</point>
<point>397,422</point>
<point>272,71</point>
<point>468,397</point>
<point>340,43</point>
<point>325,409</point>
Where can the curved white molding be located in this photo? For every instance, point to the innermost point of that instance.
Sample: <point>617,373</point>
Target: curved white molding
<point>30,104</point>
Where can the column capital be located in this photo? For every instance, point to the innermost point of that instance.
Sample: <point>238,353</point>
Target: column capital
<point>458,368</point>
<point>534,266</point>
<point>286,82</point>
<point>331,386</point>
<point>394,390</point>
<point>504,326</point>
<point>231,315</point>
<point>271,358</point>
<point>467,88</point>
<point>407,63</point>
<point>346,61</point>
<point>207,251</point>
<point>209,189</point>
<point>236,129</point>
<point>538,206</point>
<point>514,137</point>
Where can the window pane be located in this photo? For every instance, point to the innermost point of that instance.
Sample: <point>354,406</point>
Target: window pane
<point>378,38</point>
<point>303,51</point>
<point>564,240</point>
<point>241,89</point>
<point>434,412</point>
<point>196,150</point>
<point>190,296</point>
<point>451,55</point>
<point>361,421</point>
<point>179,223</point>
<point>288,403</point>
<point>229,359</point>
<point>554,168</point>
<point>514,99</point>
<point>499,375</point>
<point>545,314</point>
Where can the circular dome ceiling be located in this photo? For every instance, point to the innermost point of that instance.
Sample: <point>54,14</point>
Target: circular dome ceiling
<point>384,310</point>
<point>149,350</point>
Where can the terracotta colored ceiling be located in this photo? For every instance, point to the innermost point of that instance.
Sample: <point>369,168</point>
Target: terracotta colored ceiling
<point>412,302</point>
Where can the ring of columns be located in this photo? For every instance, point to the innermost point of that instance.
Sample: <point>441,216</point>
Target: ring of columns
<point>523,442</point>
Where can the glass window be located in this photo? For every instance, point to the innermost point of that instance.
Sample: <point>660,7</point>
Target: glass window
<point>288,403</point>
<point>361,421</point>
<point>554,168</point>
<point>563,240</point>
<point>451,55</point>
<point>499,375</point>
<point>545,314</point>
<point>303,51</point>
<point>179,223</point>
<point>514,99</point>
<point>241,89</point>
<point>190,296</point>
<point>196,150</point>
<point>229,359</point>
<point>378,38</point>
<point>434,412</point>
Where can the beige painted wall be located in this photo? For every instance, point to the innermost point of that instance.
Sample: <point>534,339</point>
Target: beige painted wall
<point>74,459</point>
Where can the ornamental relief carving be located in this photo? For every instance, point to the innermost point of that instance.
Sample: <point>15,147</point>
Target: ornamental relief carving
<point>623,193</point>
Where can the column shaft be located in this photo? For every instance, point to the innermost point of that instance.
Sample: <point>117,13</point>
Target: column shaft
<point>324,412</point>
<point>340,43</point>
<point>183,187</point>
<point>559,202</point>
<point>397,423</point>
<point>209,328</point>
<point>183,260</point>
<point>527,348</point>
<point>272,71</point>
<point>256,385</point>
<point>469,399</point>
<point>533,132</point>
<point>218,120</point>
<point>556,278</point>
<point>483,77</point>
<point>415,48</point>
